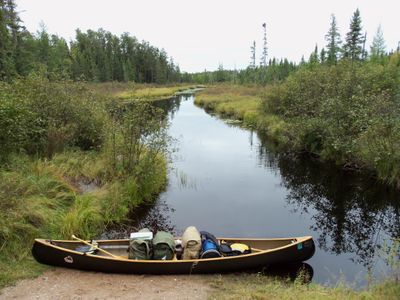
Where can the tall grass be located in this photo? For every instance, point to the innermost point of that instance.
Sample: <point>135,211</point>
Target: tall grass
<point>41,198</point>
<point>66,138</point>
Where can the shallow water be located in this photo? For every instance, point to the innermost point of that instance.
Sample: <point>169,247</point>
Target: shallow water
<point>232,182</point>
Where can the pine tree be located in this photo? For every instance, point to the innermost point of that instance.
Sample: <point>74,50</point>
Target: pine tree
<point>354,39</point>
<point>263,62</point>
<point>334,41</point>
<point>378,48</point>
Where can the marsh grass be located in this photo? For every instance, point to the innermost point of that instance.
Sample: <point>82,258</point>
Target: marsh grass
<point>150,92</point>
<point>230,101</point>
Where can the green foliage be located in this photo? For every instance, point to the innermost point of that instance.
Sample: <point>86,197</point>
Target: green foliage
<point>346,112</point>
<point>138,135</point>
<point>42,117</point>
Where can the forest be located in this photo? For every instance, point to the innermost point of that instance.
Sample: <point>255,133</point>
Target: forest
<point>92,56</point>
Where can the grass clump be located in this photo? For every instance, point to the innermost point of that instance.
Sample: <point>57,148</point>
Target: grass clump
<point>251,286</point>
<point>239,102</point>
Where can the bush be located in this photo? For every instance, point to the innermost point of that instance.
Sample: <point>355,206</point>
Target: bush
<point>42,117</point>
<point>341,112</point>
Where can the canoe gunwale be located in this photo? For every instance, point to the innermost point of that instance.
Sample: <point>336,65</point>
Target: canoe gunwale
<point>297,240</point>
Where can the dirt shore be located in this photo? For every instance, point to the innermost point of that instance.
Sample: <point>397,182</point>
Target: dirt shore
<point>71,284</point>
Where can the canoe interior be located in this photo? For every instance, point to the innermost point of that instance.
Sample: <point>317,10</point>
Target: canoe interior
<point>120,247</point>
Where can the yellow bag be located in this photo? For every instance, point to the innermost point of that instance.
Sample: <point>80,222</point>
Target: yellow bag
<point>242,248</point>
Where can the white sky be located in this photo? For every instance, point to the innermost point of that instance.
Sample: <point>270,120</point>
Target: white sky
<point>201,34</point>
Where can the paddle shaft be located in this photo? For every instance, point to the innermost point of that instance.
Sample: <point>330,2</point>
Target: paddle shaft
<point>96,247</point>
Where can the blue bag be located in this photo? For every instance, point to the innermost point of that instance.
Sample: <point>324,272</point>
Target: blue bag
<point>209,246</point>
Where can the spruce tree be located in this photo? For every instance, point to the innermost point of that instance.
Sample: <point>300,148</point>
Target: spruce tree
<point>378,48</point>
<point>334,41</point>
<point>354,39</point>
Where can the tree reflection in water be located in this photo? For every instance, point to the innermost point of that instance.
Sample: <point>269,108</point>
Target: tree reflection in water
<point>353,213</point>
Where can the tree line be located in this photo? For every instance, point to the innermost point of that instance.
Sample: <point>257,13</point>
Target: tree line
<point>353,48</point>
<point>92,56</point>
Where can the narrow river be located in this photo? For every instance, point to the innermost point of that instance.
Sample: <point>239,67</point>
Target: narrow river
<point>231,182</point>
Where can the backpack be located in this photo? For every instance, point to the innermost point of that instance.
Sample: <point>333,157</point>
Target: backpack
<point>139,248</point>
<point>209,245</point>
<point>191,242</point>
<point>163,246</point>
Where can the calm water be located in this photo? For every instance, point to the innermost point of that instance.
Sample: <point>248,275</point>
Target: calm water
<point>231,182</point>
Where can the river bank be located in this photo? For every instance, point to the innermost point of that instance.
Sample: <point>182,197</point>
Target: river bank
<point>66,187</point>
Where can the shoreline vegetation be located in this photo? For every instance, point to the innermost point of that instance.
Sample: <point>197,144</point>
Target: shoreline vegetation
<point>75,159</point>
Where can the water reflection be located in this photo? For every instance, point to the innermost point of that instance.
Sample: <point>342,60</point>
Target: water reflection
<point>170,106</point>
<point>352,212</point>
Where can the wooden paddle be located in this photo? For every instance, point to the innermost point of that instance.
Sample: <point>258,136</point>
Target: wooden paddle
<point>96,247</point>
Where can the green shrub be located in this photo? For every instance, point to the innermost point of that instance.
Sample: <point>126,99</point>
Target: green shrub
<point>341,113</point>
<point>42,117</point>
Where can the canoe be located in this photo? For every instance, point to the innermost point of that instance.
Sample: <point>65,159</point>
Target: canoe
<point>265,252</point>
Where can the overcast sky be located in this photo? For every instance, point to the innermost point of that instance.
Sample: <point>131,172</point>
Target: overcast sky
<point>201,34</point>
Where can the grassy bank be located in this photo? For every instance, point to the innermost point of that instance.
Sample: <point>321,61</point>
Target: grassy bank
<point>263,287</point>
<point>242,103</point>
<point>128,91</point>
<point>72,162</point>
